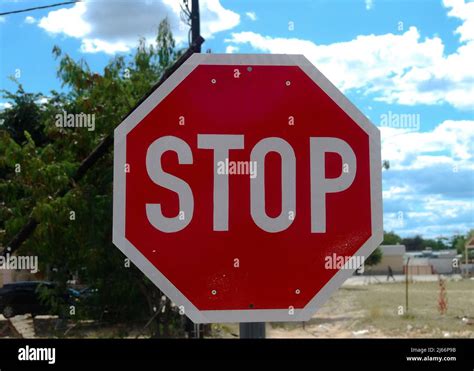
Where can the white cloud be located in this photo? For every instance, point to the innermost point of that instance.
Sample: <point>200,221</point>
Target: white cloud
<point>215,18</point>
<point>429,188</point>
<point>4,105</point>
<point>450,143</point>
<point>114,26</point>
<point>231,49</point>
<point>428,224</point>
<point>429,215</point>
<point>395,192</point>
<point>42,100</point>
<point>465,12</point>
<point>369,4</point>
<point>450,208</point>
<point>30,20</point>
<point>98,45</point>
<point>2,19</point>
<point>395,68</point>
<point>67,21</point>
<point>251,15</point>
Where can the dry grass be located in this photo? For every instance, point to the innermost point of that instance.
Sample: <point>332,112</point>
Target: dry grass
<point>373,311</point>
<point>382,302</point>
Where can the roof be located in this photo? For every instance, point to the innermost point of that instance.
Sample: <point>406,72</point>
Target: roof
<point>393,250</point>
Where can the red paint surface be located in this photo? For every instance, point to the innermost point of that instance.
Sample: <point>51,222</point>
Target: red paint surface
<point>198,260</point>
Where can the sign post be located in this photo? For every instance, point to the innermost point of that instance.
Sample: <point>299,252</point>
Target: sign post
<point>247,188</point>
<point>252,330</point>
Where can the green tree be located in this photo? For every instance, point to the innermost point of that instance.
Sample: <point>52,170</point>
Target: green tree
<point>435,244</point>
<point>458,242</point>
<point>413,243</point>
<point>391,238</point>
<point>24,115</point>
<point>38,158</point>
<point>374,258</point>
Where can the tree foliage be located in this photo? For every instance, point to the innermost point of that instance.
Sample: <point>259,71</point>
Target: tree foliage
<point>374,258</point>
<point>391,238</point>
<point>459,242</point>
<point>38,158</point>
<point>419,243</point>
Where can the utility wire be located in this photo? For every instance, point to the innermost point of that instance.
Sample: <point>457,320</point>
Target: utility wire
<point>40,7</point>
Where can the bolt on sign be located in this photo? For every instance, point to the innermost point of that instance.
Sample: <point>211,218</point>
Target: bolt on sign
<point>247,188</point>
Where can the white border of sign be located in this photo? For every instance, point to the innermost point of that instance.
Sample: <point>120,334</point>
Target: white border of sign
<point>249,315</point>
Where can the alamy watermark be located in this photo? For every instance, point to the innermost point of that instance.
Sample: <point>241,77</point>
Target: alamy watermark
<point>237,168</point>
<point>29,263</point>
<point>28,353</point>
<point>400,120</point>
<point>75,120</point>
<point>336,262</point>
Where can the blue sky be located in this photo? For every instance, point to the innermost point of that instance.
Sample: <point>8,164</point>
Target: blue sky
<point>403,60</point>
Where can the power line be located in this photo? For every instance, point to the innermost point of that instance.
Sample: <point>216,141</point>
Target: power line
<point>40,7</point>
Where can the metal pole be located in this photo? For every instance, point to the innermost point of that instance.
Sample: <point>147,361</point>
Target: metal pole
<point>252,330</point>
<point>197,331</point>
<point>195,23</point>
<point>467,260</point>
<point>406,287</point>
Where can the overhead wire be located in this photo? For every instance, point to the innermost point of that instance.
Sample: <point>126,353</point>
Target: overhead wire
<point>39,7</point>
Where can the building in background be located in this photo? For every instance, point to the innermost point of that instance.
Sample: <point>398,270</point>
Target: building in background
<point>432,262</point>
<point>393,256</point>
<point>419,262</point>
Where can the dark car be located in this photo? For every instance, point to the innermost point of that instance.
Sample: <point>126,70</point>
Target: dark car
<point>24,297</point>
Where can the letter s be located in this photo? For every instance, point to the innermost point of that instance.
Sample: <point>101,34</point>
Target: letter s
<point>171,182</point>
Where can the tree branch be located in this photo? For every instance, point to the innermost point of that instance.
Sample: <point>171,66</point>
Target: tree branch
<point>28,229</point>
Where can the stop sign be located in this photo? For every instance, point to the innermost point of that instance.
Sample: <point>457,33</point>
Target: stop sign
<point>247,188</point>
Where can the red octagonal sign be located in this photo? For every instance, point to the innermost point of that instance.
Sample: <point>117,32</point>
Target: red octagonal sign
<point>247,188</point>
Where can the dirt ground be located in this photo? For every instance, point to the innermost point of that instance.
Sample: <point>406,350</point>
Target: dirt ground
<point>373,311</point>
